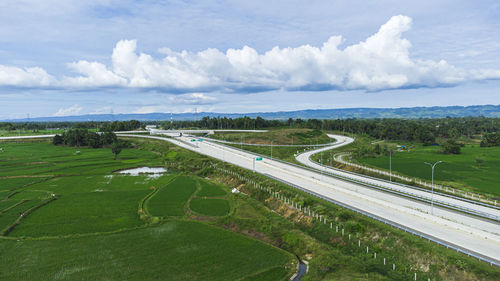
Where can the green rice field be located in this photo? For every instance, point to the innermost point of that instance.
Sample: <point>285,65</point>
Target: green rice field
<point>73,216</point>
<point>210,207</point>
<point>171,199</point>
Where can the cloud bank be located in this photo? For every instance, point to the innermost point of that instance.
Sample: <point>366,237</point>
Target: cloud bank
<point>72,110</point>
<point>381,62</point>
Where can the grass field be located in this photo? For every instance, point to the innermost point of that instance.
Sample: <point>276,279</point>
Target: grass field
<point>176,250</point>
<point>5,133</point>
<point>22,132</point>
<point>35,159</point>
<point>210,207</point>
<point>460,170</point>
<point>93,229</point>
<point>278,136</point>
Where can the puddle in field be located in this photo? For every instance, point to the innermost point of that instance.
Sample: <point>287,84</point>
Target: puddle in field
<point>151,172</point>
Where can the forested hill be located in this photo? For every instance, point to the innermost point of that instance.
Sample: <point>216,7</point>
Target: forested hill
<point>342,113</point>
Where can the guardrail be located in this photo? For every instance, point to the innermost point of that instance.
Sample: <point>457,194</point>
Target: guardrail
<point>393,224</point>
<point>485,202</point>
<point>386,189</point>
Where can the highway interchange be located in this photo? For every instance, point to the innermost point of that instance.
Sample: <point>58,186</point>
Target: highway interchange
<point>471,234</point>
<point>407,208</point>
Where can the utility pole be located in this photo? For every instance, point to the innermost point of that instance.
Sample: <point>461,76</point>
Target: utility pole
<point>432,184</point>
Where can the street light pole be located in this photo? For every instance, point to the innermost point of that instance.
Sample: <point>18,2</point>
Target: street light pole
<point>432,183</point>
<point>390,165</point>
<point>271,150</point>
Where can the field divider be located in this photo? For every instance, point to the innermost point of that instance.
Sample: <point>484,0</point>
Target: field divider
<point>13,206</point>
<point>11,227</point>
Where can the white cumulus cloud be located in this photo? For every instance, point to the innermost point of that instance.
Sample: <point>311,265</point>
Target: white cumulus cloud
<point>72,110</point>
<point>380,62</point>
<point>94,75</point>
<point>24,77</point>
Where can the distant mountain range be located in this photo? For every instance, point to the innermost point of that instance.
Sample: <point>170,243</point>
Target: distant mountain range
<point>342,113</point>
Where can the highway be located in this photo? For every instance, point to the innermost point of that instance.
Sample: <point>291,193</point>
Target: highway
<point>477,236</point>
<point>438,199</point>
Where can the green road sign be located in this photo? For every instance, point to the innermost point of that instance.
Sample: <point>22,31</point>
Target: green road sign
<point>200,139</point>
<point>258,158</point>
<point>193,140</point>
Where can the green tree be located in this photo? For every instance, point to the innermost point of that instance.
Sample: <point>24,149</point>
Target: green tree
<point>451,147</point>
<point>116,148</point>
<point>108,138</point>
<point>492,139</point>
<point>94,140</point>
<point>58,140</point>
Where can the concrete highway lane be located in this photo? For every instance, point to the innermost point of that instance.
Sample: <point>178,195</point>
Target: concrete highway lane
<point>466,206</point>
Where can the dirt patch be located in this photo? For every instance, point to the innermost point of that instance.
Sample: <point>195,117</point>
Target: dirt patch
<point>255,234</point>
<point>201,218</point>
<point>337,240</point>
<point>248,232</point>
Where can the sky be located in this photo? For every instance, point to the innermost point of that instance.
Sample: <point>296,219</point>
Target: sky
<point>68,57</point>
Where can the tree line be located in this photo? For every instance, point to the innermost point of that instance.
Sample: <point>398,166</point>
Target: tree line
<point>80,137</point>
<point>491,139</point>
<point>83,137</point>
<point>97,125</point>
<point>421,130</point>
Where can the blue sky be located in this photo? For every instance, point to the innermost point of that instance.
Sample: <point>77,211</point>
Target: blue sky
<point>103,56</point>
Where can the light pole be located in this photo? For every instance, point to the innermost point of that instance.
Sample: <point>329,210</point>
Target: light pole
<point>432,184</point>
<point>271,150</point>
<point>390,164</point>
